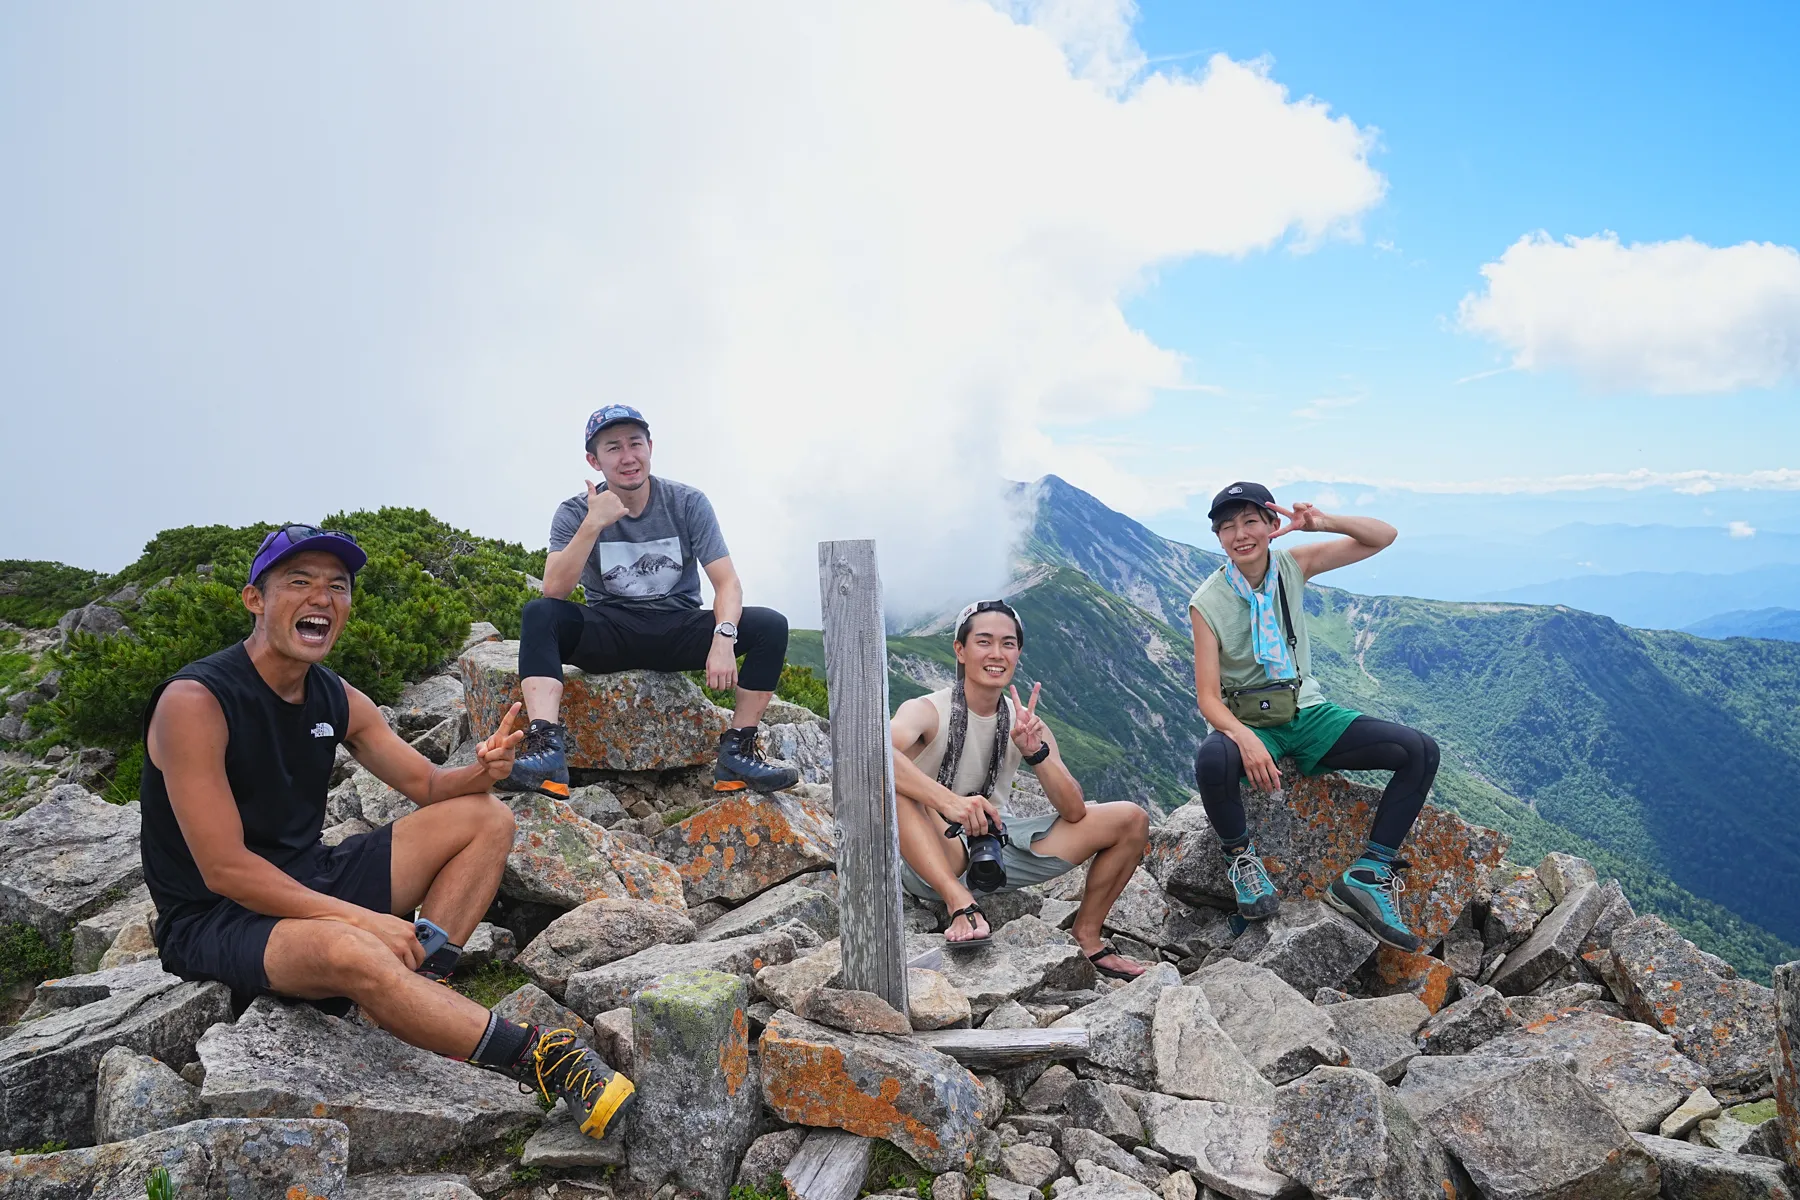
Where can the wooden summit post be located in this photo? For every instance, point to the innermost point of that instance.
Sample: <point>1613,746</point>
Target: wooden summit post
<point>871,920</point>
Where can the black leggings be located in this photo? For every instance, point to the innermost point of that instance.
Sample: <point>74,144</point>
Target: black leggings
<point>616,637</point>
<point>1369,744</point>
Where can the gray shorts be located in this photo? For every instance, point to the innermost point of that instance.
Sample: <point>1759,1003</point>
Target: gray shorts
<point>1024,866</point>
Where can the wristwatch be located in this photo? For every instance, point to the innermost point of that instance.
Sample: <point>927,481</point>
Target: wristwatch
<point>1043,752</point>
<point>725,629</point>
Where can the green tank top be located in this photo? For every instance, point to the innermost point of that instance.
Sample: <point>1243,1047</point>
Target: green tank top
<point>1227,614</point>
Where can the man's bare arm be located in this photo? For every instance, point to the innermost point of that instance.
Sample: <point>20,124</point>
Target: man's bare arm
<point>376,746</point>
<point>1060,784</point>
<point>186,742</point>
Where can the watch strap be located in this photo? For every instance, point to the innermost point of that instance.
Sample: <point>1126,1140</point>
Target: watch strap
<point>1043,752</point>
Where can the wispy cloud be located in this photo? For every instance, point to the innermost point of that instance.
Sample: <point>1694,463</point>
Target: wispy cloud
<point>1324,406</point>
<point>1741,529</point>
<point>1697,482</point>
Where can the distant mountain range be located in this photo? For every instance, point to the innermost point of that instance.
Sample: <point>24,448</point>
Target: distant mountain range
<point>1670,760</point>
<point>1780,624</point>
<point>1666,600</point>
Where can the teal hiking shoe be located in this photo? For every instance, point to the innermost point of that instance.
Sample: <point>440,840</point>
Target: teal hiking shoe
<point>1257,899</point>
<point>541,764</point>
<point>1367,893</point>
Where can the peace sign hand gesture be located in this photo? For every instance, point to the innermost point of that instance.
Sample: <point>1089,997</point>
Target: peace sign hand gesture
<point>1028,727</point>
<point>1302,518</point>
<point>495,755</point>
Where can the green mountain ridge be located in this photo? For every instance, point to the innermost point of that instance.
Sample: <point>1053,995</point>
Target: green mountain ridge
<point>1669,760</point>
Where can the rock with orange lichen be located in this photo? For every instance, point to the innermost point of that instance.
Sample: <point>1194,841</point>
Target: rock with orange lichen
<point>628,721</point>
<point>1390,972</point>
<point>1313,829</point>
<point>403,1106</point>
<point>745,844</point>
<point>697,1088</point>
<point>1726,1025</point>
<point>560,857</point>
<point>924,1102</point>
<point>1635,1071</point>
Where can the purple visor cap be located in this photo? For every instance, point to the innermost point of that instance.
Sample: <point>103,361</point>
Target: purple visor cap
<point>290,540</point>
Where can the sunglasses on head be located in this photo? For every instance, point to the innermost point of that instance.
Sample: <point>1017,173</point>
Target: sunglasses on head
<point>297,532</point>
<point>986,606</point>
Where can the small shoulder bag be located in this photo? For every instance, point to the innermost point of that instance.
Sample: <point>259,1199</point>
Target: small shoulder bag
<point>1268,705</point>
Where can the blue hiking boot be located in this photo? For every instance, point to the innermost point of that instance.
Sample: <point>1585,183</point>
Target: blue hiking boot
<point>1367,893</point>
<point>540,765</point>
<point>1257,899</point>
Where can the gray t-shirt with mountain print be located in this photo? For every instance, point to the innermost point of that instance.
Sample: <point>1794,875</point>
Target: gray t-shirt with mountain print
<point>651,561</point>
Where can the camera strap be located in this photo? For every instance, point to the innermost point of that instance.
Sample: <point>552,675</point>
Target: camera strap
<point>957,735</point>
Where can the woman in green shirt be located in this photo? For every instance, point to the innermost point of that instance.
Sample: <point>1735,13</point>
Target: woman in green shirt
<point>1253,673</point>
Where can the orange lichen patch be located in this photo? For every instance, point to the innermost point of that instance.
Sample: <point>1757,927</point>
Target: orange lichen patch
<point>318,1110</point>
<point>1447,855</point>
<point>1423,976</point>
<point>734,1055</point>
<point>809,1084</point>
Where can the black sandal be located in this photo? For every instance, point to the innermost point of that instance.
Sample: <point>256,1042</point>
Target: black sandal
<point>971,912</point>
<point>1108,949</point>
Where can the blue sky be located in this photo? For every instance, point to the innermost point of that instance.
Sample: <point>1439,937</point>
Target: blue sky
<point>859,262</point>
<point>1655,122</point>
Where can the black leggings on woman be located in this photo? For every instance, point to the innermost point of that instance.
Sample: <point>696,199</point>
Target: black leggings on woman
<point>1369,744</point>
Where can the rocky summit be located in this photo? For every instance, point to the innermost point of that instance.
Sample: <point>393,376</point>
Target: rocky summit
<point>1548,1043</point>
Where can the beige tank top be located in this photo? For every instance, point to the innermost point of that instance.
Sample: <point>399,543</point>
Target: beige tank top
<point>978,746</point>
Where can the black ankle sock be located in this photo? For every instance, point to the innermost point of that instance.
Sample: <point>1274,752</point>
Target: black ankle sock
<point>442,962</point>
<point>505,1043</point>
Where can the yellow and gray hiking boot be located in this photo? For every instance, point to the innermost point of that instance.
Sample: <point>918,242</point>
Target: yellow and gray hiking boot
<point>558,1064</point>
<point>1368,893</point>
<point>541,764</point>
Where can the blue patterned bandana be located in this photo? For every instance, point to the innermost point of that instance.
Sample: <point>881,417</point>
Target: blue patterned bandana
<point>1266,637</point>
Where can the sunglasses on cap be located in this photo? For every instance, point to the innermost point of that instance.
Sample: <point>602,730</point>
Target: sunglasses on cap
<point>985,606</point>
<point>296,532</point>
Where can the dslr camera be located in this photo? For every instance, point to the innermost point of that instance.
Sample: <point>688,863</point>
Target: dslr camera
<point>987,870</point>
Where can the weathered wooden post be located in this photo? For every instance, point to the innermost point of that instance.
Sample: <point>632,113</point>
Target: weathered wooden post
<point>862,771</point>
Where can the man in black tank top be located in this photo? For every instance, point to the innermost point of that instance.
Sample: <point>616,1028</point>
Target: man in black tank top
<point>238,756</point>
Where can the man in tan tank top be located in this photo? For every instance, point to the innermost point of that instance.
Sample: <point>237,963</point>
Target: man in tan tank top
<point>956,752</point>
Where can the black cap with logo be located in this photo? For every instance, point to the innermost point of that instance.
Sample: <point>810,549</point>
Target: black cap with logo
<point>1243,493</point>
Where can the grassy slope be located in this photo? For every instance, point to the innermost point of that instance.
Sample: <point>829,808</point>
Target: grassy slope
<point>1610,736</point>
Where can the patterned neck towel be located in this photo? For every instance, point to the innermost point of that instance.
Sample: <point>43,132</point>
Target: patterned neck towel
<point>1267,638</point>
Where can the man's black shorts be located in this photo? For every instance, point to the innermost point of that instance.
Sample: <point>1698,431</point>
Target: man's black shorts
<point>226,942</point>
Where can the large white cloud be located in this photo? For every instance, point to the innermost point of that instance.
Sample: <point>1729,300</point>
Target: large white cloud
<point>1666,317</point>
<point>853,260</point>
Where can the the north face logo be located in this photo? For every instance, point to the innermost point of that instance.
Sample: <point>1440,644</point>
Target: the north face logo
<point>322,730</point>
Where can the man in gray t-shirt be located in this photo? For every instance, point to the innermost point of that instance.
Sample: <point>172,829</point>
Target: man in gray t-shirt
<point>636,544</point>
<point>651,561</point>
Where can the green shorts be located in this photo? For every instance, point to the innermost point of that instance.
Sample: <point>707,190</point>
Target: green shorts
<point>1024,866</point>
<point>1310,736</point>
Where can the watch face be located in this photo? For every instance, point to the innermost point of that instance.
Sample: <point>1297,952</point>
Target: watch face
<point>727,628</point>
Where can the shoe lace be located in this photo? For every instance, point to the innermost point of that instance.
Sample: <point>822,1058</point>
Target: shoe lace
<point>1248,876</point>
<point>575,1076</point>
<point>747,747</point>
<point>537,740</point>
<point>1387,888</point>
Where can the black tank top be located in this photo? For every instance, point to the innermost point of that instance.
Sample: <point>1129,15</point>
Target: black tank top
<point>278,760</point>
